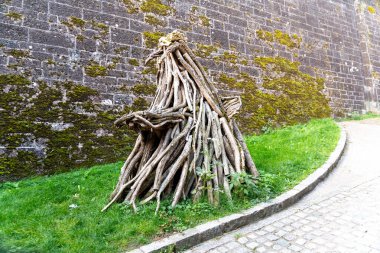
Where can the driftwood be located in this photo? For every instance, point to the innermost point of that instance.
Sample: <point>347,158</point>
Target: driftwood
<point>186,133</point>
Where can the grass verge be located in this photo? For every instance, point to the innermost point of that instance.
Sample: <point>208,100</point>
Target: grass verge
<point>61,213</point>
<point>357,116</point>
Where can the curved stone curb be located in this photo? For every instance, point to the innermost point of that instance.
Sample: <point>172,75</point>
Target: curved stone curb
<point>193,236</point>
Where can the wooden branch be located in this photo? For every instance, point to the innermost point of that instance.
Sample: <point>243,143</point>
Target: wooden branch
<point>187,127</point>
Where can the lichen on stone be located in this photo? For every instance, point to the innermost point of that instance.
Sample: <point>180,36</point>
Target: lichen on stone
<point>132,7</point>
<point>371,9</point>
<point>94,69</point>
<point>144,89</point>
<point>156,7</point>
<point>102,28</point>
<point>13,79</point>
<point>265,35</point>
<point>133,62</point>
<point>18,53</point>
<point>80,37</point>
<point>14,15</point>
<point>62,119</point>
<point>50,61</point>
<point>224,78</point>
<point>152,20</point>
<point>230,57</point>
<point>375,74</point>
<point>244,62</point>
<point>150,68</point>
<point>205,21</point>
<point>290,41</point>
<point>151,38</point>
<point>205,51</point>
<point>293,41</point>
<point>283,95</point>
<point>79,93</point>
<point>120,50</point>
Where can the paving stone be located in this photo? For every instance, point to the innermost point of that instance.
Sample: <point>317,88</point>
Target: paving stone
<point>252,235</point>
<point>277,247</point>
<point>280,233</point>
<point>288,228</point>
<point>295,248</point>
<point>261,232</point>
<point>271,237</point>
<point>307,228</point>
<point>223,249</point>
<point>252,245</point>
<point>261,250</point>
<point>310,245</point>
<point>243,240</point>
<point>282,242</point>
<point>269,228</point>
<point>289,237</point>
<point>232,245</point>
<point>261,240</point>
<point>340,216</point>
<point>268,244</point>
<point>300,241</point>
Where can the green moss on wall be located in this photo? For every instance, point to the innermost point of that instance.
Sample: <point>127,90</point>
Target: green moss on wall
<point>121,50</point>
<point>139,104</point>
<point>134,62</point>
<point>265,35</point>
<point>13,79</point>
<point>79,93</point>
<point>285,96</point>
<point>205,51</point>
<point>14,15</point>
<point>371,9</point>
<point>132,8</point>
<point>224,78</point>
<point>77,21</point>
<point>244,62</point>
<point>151,38</point>
<point>94,69</point>
<point>205,21</point>
<point>194,9</point>
<point>18,53</point>
<point>80,37</point>
<point>150,68</point>
<point>30,112</point>
<point>375,74</point>
<point>156,7</point>
<point>102,28</point>
<point>152,20</point>
<point>290,41</point>
<point>144,89</point>
<point>74,22</point>
<point>230,57</point>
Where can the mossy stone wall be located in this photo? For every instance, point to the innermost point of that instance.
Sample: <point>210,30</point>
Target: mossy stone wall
<point>69,68</point>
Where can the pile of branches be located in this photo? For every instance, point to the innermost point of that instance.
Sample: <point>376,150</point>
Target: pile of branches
<point>188,142</point>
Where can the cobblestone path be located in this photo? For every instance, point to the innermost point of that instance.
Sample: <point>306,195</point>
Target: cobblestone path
<point>341,215</point>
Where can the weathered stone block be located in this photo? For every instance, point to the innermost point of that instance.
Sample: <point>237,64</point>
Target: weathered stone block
<point>13,32</point>
<point>50,38</point>
<point>64,10</point>
<point>220,37</point>
<point>126,37</point>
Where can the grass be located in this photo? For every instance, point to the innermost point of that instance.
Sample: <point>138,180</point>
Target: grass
<point>357,116</point>
<point>36,215</point>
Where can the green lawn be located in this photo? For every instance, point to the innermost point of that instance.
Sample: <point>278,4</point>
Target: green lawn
<point>36,216</point>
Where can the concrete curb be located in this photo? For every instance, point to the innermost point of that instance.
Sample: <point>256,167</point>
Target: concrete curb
<point>191,237</point>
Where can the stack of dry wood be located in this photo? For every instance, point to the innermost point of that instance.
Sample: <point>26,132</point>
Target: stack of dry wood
<point>188,142</point>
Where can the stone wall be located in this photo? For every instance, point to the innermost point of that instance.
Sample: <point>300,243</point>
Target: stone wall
<point>65,45</point>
